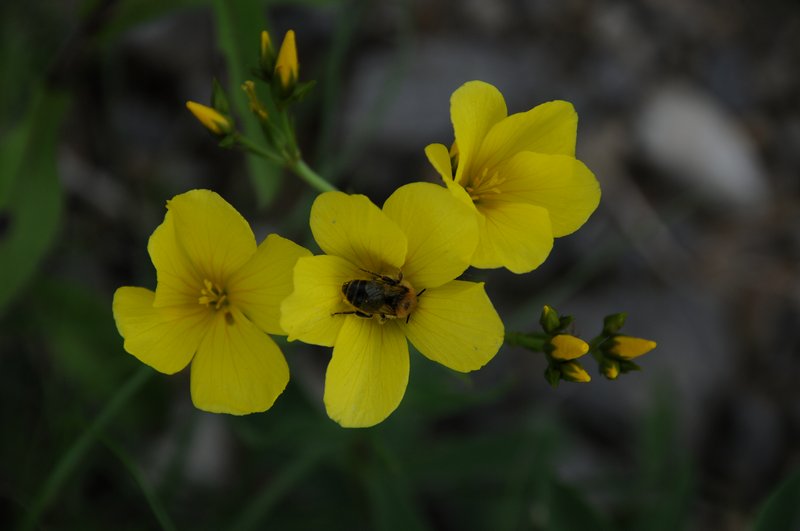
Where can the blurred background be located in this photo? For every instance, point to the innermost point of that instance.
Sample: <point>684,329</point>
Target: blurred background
<point>690,119</point>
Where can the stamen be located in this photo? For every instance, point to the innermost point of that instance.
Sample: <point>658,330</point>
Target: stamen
<point>212,295</point>
<point>483,184</point>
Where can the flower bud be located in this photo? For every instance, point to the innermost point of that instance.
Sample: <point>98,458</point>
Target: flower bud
<point>255,103</point>
<point>286,66</point>
<point>549,320</point>
<point>565,347</point>
<point>610,368</point>
<point>573,372</point>
<point>552,375</point>
<point>613,323</point>
<point>266,55</point>
<point>628,348</point>
<point>210,118</point>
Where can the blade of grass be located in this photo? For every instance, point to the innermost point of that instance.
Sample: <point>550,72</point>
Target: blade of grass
<point>138,477</point>
<point>781,512</point>
<point>350,14</point>
<point>72,457</point>
<point>284,481</point>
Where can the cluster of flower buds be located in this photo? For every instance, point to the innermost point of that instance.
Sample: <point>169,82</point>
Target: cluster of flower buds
<point>611,350</point>
<point>616,350</point>
<point>280,72</point>
<point>562,349</point>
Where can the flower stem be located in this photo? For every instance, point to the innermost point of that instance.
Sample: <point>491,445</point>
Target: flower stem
<point>75,453</point>
<point>534,342</point>
<point>302,170</point>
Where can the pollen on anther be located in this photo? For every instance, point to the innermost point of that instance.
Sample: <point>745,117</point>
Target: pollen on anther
<point>212,294</point>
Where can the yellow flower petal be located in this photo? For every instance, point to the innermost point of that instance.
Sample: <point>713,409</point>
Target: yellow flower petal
<point>179,283</point>
<point>306,314</point>
<point>456,325</point>
<point>442,233</point>
<point>261,285</point>
<point>516,236</point>
<point>547,128</point>
<point>164,339</point>
<point>238,368</point>
<point>474,108</point>
<point>439,157</point>
<point>368,373</point>
<point>215,237</point>
<point>561,184</point>
<point>352,227</point>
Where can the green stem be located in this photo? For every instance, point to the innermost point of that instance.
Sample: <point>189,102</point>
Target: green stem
<point>302,170</point>
<point>534,342</point>
<point>70,460</point>
<point>255,149</point>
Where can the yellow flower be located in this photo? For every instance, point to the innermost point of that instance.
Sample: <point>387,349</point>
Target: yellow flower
<point>286,66</point>
<point>210,118</point>
<point>518,173</point>
<point>420,242</point>
<point>567,347</point>
<point>628,348</point>
<point>217,297</point>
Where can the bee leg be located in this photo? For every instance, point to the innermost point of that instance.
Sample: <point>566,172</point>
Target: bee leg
<point>408,317</point>
<point>355,312</point>
<point>421,291</point>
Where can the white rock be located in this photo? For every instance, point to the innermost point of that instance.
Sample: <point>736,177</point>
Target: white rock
<point>699,144</point>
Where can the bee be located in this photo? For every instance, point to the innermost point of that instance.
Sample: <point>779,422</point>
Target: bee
<point>384,296</point>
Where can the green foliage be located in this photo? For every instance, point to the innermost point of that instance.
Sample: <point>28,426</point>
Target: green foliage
<point>781,511</point>
<point>239,25</point>
<point>30,193</point>
<point>569,510</point>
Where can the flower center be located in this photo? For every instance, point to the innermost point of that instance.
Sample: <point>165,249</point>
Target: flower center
<point>213,295</point>
<point>484,184</point>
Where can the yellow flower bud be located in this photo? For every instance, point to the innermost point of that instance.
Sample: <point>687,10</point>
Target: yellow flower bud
<point>573,372</point>
<point>266,46</point>
<point>628,348</point>
<point>255,104</point>
<point>566,347</point>
<point>286,67</point>
<point>210,118</point>
<point>610,368</point>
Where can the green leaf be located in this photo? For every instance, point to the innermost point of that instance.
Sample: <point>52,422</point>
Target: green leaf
<point>81,336</point>
<point>239,26</point>
<point>663,491</point>
<point>30,194</point>
<point>781,511</point>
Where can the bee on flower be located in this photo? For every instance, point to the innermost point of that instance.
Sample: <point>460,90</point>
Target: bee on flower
<point>517,173</point>
<point>217,298</point>
<point>388,277</point>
